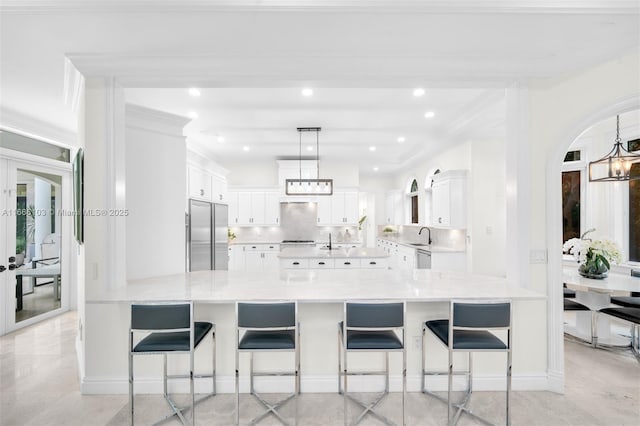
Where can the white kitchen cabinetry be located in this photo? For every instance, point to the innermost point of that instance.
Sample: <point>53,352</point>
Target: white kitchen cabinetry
<point>271,208</point>
<point>254,208</point>
<point>406,257</point>
<point>394,214</point>
<point>324,210</point>
<point>336,263</point>
<point>254,257</point>
<point>219,192</point>
<point>236,258</point>
<point>341,208</point>
<point>449,199</point>
<point>203,185</point>
<point>200,184</point>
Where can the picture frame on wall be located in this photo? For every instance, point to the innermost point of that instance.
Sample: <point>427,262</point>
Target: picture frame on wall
<point>78,196</point>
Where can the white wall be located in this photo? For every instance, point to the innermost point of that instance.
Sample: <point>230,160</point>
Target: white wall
<point>156,192</point>
<point>265,173</point>
<point>487,218</point>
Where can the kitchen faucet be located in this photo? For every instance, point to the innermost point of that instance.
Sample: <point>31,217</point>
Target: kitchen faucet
<point>428,229</point>
<point>329,240</point>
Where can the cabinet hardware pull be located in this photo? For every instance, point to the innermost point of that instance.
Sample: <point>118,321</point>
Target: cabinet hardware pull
<point>296,263</point>
<point>253,246</point>
<point>372,263</point>
<point>320,263</point>
<point>347,263</point>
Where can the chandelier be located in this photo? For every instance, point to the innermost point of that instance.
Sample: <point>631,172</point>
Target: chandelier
<point>616,165</point>
<point>308,186</point>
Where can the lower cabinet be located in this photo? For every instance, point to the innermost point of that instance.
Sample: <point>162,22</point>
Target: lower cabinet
<point>336,263</point>
<point>254,257</point>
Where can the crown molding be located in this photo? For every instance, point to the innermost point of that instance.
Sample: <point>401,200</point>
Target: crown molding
<point>156,121</point>
<point>370,6</point>
<point>26,125</point>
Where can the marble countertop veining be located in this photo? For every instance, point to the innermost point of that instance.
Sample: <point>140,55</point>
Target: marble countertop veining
<point>316,253</point>
<point>313,286</point>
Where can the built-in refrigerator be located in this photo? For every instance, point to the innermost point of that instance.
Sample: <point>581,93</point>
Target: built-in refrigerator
<point>207,246</point>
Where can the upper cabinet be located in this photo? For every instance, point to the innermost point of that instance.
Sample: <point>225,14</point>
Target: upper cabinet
<point>207,186</point>
<point>449,199</point>
<point>200,183</point>
<point>394,212</point>
<point>254,208</point>
<point>341,208</point>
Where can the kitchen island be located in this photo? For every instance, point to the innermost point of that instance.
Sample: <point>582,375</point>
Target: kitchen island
<point>320,295</point>
<point>325,258</point>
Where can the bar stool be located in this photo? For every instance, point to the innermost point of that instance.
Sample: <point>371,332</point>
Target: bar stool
<point>169,330</point>
<point>470,328</point>
<point>267,327</point>
<point>371,327</point>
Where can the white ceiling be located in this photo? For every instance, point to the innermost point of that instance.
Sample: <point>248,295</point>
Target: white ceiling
<point>362,57</point>
<point>352,121</point>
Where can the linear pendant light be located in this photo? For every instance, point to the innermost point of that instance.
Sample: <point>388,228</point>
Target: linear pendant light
<point>309,186</point>
<point>616,165</point>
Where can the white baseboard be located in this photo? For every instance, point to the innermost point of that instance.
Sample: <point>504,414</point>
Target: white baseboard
<point>312,384</point>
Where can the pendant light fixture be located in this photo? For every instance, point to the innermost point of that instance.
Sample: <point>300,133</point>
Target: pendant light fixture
<point>308,186</point>
<point>616,165</point>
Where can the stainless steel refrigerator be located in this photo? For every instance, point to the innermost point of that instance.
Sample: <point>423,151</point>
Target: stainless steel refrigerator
<point>207,246</point>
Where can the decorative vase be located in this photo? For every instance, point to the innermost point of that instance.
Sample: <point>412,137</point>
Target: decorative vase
<point>597,274</point>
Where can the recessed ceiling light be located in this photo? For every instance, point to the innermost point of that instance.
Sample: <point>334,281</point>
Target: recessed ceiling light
<point>401,139</point>
<point>194,92</point>
<point>246,148</point>
<point>193,115</point>
<point>418,92</point>
<point>429,114</point>
<point>372,148</point>
<point>375,168</point>
<point>309,148</point>
<point>307,91</point>
<point>220,139</point>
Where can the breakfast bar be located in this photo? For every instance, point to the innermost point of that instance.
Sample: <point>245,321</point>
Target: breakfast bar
<point>320,295</point>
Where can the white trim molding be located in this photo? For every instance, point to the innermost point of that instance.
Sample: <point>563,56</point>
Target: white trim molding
<point>371,6</point>
<point>155,121</point>
<point>26,125</point>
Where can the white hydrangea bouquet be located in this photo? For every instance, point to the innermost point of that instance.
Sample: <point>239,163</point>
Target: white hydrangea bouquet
<point>594,256</point>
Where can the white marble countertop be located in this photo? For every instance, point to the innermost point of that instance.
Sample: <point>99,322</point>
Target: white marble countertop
<point>319,253</point>
<point>428,247</point>
<point>614,282</point>
<point>313,286</point>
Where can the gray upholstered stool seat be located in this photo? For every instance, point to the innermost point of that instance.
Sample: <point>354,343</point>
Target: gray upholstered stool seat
<point>177,341</point>
<point>572,305</point>
<point>268,340</point>
<point>465,339</point>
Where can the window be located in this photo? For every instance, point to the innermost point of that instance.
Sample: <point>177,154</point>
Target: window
<point>570,205</point>
<point>414,201</point>
<point>634,215</point>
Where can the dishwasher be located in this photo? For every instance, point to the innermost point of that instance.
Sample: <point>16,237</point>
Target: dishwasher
<point>423,259</point>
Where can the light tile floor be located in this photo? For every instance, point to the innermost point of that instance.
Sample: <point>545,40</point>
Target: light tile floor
<point>39,386</point>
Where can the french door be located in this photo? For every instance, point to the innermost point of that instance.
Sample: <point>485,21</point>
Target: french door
<point>36,231</point>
